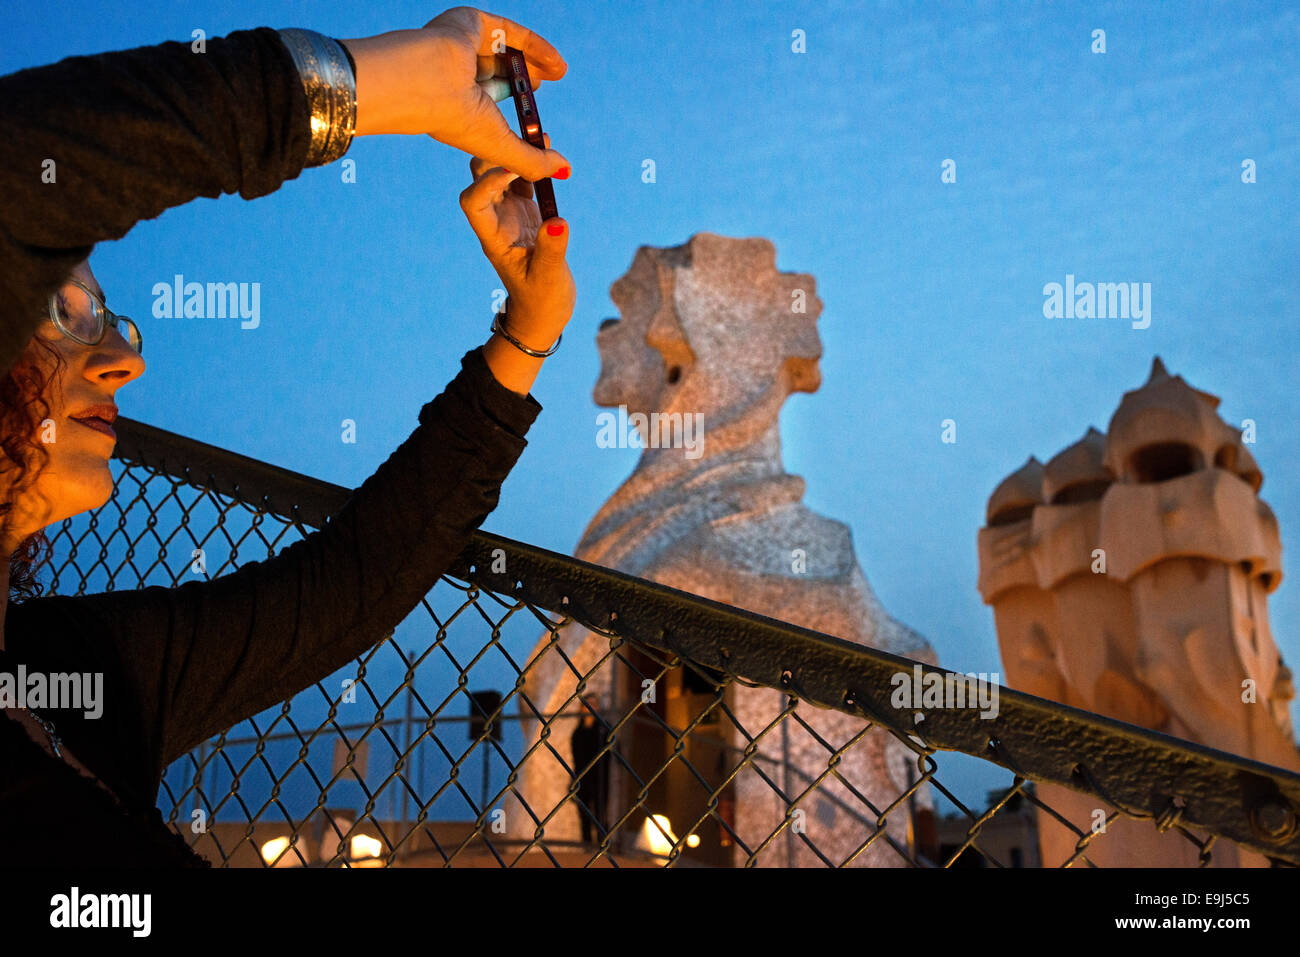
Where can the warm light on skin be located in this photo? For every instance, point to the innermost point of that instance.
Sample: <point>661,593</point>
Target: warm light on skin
<point>76,477</point>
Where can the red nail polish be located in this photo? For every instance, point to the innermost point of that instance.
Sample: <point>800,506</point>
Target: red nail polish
<point>561,173</point>
<point>555,229</point>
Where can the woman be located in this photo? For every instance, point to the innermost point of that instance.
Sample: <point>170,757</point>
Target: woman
<point>131,134</point>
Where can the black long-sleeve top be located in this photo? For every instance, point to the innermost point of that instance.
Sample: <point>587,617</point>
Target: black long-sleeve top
<point>134,133</point>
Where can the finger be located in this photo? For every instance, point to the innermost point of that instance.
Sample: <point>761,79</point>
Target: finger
<point>498,88</point>
<point>487,33</point>
<point>497,143</point>
<point>549,251</point>
<point>543,59</point>
<point>490,71</point>
<point>521,187</point>
<point>478,202</point>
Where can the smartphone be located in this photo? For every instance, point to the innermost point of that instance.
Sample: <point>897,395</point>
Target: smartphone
<point>530,125</point>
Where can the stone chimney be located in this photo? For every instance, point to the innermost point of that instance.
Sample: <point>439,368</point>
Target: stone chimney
<point>1129,577</point>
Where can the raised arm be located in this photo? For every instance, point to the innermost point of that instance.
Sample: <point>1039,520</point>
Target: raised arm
<point>92,145</point>
<point>204,656</point>
<point>201,657</point>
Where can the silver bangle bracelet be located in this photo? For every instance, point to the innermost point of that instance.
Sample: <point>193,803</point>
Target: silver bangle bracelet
<point>331,89</point>
<point>499,326</point>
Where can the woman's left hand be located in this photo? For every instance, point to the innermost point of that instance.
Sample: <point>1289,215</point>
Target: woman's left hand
<point>442,80</point>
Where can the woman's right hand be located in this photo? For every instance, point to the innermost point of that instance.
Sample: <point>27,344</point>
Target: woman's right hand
<point>527,254</point>
<point>436,80</point>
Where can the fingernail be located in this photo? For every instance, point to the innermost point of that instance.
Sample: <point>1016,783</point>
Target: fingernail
<point>561,173</point>
<point>555,229</point>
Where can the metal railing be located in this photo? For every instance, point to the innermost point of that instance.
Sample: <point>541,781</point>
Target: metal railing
<point>722,737</point>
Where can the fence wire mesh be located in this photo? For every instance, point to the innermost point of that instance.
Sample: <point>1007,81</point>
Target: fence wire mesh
<point>510,721</point>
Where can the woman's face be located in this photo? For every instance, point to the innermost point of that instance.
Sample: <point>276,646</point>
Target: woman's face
<point>76,434</point>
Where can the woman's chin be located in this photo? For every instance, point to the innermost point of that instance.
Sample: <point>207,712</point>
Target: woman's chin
<point>101,490</point>
<point>85,488</point>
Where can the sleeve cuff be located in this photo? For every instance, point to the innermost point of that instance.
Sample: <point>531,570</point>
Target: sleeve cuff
<point>478,388</point>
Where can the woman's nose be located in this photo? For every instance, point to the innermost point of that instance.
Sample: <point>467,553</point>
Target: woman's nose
<point>114,359</point>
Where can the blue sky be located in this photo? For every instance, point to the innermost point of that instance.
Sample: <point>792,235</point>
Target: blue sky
<point>1122,166</point>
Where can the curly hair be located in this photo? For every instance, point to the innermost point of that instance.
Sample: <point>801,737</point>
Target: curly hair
<point>23,407</point>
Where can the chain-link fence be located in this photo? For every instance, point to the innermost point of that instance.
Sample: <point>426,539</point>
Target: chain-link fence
<point>536,710</point>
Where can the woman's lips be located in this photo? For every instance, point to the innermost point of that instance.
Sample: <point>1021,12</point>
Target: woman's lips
<point>98,424</point>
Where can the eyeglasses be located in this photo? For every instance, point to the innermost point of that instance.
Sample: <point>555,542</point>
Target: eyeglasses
<point>82,316</point>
